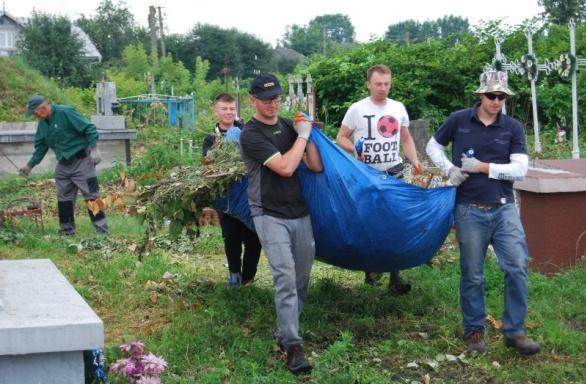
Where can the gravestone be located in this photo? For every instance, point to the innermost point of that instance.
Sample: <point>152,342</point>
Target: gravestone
<point>45,325</point>
<point>421,134</point>
<point>552,201</point>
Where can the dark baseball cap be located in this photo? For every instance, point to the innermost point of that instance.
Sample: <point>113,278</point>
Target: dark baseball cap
<point>265,86</point>
<point>33,103</point>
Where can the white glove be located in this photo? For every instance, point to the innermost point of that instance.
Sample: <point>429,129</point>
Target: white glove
<point>470,164</point>
<point>95,156</point>
<point>456,176</point>
<point>303,129</point>
<point>24,171</point>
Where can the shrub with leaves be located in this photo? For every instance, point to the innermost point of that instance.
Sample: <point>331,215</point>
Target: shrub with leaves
<point>182,196</point>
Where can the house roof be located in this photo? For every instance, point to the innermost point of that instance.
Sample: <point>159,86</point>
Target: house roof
<point>89,49</point>
<point>15,20</point>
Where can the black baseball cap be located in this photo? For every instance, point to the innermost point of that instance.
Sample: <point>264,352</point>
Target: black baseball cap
<point>265,86</point>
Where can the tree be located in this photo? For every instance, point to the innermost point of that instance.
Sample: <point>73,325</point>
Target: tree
<point>229,50</point>
<point>172,77</point>
<point>451,25</point>
<point>112,29</point>
<point>337,27</point>
<point>561,11</point>
<point>48,45</point>
<point>302,39</point>
<point>136,62</point>
<point>310,39</point>
<point>285,59</point>
<point>411,31</point>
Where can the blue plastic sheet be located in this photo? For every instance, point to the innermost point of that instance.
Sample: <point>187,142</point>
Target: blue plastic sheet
<point>363,219</point>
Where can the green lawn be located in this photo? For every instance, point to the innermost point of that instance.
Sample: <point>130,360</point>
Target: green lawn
<point>177,301</point>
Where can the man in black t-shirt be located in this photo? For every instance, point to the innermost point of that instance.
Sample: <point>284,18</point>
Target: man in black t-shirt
<point>272,148</point>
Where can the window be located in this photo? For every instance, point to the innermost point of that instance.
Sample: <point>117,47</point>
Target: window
<point>6,40</point>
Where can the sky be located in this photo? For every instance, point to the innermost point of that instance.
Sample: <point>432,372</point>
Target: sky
<point>268,20</point>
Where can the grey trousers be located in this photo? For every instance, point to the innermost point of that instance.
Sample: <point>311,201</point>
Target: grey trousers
<point>290,249</point>
<point>77,174</point>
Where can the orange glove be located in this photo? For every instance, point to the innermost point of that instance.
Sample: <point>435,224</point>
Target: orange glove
<point>302,126</point>
<point>417,169</point>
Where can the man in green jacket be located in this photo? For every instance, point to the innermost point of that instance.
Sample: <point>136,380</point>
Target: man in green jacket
<point>74,140</point>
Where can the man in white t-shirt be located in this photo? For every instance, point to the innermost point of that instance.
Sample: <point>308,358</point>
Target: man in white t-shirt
<point>383,124</point>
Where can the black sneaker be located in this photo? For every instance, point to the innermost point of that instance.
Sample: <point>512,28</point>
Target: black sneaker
<point>522,344</point>
<point>296,361</point>
<point>475,342</point>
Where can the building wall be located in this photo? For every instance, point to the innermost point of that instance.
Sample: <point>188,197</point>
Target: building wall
<point>8,34</point>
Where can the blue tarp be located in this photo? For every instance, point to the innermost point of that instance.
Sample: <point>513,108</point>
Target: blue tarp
<point>362,218</point>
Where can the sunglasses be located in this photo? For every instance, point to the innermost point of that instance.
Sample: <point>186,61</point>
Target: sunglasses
<point>492,96</point>
<point>272,100</point>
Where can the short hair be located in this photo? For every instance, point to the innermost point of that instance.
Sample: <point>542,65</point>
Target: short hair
<point>225,97</point>
<point>380,68</point>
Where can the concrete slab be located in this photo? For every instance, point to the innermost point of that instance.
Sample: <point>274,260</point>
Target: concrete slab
<point>45,325</point>
<point>554,176</point>
<point>42,312</point>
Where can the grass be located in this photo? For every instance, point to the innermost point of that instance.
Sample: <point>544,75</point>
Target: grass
<point>176,299</point>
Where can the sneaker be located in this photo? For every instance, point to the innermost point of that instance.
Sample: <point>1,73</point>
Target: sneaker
<point>398,285</point>
<point>234,280</point>
<point>372,278</point>
<point>522,344</point>
<point>475,342</point>
<point>296,361</point>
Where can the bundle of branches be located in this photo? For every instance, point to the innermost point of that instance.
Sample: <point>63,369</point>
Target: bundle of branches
<point>182,196</point>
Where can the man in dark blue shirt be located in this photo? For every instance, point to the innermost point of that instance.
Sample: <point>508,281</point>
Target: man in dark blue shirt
<point>488,154</point>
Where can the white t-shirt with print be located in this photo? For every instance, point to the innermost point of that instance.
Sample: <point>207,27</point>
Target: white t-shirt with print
<point>380,126</point>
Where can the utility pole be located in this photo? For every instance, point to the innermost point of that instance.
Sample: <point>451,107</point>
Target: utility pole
<point>153,34</point>
<point>162,30</point>
<point>225,71</point>
<point>323,31</point>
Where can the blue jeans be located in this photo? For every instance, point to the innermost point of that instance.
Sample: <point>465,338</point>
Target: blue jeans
<point>501,226</point>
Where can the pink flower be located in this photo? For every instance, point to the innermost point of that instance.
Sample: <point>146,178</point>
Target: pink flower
<point>139,368</point>
<point>149,380</point>
<point>118,366</point>
<point>153,365</point>
<point>131,368</point>
<point>134,347</point>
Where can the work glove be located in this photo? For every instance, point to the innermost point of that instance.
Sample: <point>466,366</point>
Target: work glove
<point>470,164</point>
<point>232,134</point>
<point>302,126</point>
<point>24,171</point>
<point>95,156</point>
<point>456,176</point>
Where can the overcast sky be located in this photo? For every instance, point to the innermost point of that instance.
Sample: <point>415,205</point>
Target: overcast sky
<point>268,19</point>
